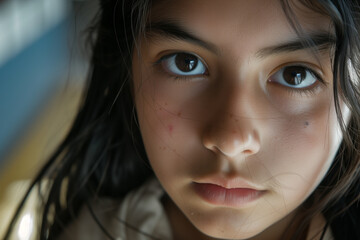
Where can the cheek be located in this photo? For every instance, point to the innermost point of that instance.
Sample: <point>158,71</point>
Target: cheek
<point>159,116</point>
<point>167,130</point>
<point>170,110</point>
<point>301,150</point>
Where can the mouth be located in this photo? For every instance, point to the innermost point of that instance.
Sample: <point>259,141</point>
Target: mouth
<point>217,194</point>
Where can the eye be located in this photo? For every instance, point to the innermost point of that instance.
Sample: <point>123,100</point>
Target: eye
<point>295,77</point>
<point>183,64</point>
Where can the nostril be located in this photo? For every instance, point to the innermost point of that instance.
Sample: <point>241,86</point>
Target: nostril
<point>247,152</point>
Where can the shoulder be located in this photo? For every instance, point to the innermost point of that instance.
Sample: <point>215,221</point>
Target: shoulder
<point>139,215</point>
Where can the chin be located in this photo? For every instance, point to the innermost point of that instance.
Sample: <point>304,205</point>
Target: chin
<point>228,230</point>
<point>222,234</point>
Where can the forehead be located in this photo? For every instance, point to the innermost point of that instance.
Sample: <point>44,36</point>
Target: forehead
<point>255,23</point>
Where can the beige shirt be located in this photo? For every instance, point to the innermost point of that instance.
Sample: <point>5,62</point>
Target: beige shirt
<point>141,210</point>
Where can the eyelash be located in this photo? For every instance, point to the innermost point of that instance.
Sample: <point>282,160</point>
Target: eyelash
<point>303,92</point>
<point>306,92</point>
<point>180,78</point>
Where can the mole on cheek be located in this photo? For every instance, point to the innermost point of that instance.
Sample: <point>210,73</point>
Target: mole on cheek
<point>306,124</point>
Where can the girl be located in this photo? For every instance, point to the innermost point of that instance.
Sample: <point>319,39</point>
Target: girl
<point>213,120</point>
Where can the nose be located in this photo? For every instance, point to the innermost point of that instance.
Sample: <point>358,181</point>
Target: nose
<point>231,140</point>
<point>231,130</point>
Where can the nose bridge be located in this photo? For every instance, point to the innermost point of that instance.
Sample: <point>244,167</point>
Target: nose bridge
<point>231,128</point>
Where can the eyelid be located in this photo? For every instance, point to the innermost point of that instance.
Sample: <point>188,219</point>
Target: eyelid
<point>310,67</point>
<point>169,53</point>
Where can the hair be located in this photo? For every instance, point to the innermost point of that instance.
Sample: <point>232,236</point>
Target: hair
<point>103,154</point>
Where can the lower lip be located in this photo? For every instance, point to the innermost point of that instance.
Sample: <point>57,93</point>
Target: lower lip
<point>233,197</point>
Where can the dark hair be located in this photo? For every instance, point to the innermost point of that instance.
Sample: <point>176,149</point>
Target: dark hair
<point>343,178</point>
<point>103,154</point>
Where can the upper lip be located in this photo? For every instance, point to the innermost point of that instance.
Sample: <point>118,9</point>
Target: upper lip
<point>229,182</point>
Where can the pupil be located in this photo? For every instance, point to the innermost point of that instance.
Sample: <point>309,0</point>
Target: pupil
<point>294,75</point>
<point>186,62</point>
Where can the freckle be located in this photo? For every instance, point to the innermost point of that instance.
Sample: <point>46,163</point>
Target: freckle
<point>171,128</point>
<point>234,131</point>
<point>165,104</point>
<point>236,120</point>
<point>306,123</point>
<point>179,114</point>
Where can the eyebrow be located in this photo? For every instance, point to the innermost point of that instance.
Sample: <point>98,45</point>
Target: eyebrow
<point>318,41</point>
<point>172,29</point>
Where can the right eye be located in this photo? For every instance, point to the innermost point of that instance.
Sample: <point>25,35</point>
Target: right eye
<point>183,64</point>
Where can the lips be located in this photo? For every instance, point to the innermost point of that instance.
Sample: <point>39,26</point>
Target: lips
<point>237,193</point>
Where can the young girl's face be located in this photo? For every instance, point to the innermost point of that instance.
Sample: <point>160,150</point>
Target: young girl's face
<point>236,115</point>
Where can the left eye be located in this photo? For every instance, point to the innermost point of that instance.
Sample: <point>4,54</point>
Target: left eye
<point>294,77</point>
<point>183,64</point>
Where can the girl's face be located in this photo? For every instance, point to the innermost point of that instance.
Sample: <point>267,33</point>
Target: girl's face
<point>236,114</point>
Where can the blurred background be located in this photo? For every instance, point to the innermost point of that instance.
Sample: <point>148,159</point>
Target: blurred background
<point>43,64</point>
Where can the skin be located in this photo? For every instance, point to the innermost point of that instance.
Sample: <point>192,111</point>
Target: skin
<point>234,121</point>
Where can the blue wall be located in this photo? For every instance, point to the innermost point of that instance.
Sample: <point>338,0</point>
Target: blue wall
<point>27,82</point>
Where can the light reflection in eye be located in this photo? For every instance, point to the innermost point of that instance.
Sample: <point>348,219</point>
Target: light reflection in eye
<point>298,77</point>
<point>183,64</point>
